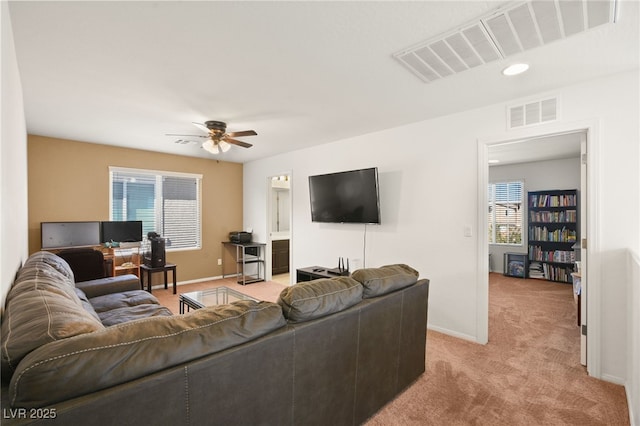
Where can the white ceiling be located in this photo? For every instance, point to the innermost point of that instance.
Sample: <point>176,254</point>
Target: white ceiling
<point>552,147</point>
<point>299,73</point>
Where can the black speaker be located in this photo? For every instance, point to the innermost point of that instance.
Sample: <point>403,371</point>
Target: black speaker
<point>156,255</point>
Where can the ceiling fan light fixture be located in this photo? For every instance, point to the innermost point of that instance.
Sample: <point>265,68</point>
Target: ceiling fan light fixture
<point>224,146</point>
<point>211,147</point>
<point>515,69</point>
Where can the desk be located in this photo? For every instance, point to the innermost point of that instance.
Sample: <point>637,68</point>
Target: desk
<point>150,270</point>
<point>247,255</point>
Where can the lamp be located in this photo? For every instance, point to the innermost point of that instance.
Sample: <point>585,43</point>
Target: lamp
<point>515,69</point>
<point>216,147</point>
<point>211,147</point>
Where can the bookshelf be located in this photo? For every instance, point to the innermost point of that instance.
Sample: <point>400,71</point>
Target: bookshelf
<point>552,231</point>
<point>124,260</point>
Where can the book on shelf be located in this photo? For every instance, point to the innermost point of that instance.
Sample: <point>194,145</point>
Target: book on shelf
<point>542,233</point>
<point>536,271</point>
<point>564,216</point>
<point>536,253</point>
<point>548,200</point>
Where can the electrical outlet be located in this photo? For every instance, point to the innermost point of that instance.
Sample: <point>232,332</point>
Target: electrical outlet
<point>219,261</point>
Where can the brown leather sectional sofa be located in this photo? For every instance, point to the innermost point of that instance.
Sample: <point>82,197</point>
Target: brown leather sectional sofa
<point>329,352</point>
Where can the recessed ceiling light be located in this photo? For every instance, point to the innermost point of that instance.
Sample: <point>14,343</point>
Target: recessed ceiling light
<point>494,161</point>
<point>515,69</point>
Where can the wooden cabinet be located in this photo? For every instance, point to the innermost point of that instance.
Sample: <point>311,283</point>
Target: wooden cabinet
<point>279,257</point>
<point>124,261</point>
<point>552,232</point>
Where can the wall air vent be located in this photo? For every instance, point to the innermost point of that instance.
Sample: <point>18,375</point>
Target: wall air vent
<point>532,113</point>
<point>510,30</point>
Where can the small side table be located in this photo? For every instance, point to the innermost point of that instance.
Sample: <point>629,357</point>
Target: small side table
<point>149,270</point>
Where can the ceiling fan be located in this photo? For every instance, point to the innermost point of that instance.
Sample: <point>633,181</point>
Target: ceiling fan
<point>217,138</point>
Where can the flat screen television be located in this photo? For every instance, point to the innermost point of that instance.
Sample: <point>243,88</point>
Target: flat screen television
<point>127,231</point>
<point>345,197</point>
<point>69,234</point>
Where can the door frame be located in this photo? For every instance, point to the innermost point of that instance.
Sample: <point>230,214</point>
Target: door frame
<point>269,242</point>
<point>593,268</point>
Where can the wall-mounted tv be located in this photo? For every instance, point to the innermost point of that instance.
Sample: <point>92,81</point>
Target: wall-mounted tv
<point>345,197</point>
<point>69,234</point>
<point>127,231</point>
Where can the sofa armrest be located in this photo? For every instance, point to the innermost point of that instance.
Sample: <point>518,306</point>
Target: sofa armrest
<point>109,285</point>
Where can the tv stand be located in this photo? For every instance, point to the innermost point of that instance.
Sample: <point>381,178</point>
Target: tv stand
<point>316,272</point>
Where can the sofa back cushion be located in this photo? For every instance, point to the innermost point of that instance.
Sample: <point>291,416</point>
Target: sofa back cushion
<point>314,299</point>
<point>42,306</point>
<point>383,280</point>
<point>134,349</point>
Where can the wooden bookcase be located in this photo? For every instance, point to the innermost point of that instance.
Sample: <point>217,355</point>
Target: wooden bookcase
<point>552,231</point>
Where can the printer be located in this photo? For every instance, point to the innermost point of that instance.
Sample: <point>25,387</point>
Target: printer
<point>240,237</point>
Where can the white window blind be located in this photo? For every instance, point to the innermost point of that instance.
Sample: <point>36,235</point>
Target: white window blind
<point>166,203</point>
<point>505,212</point>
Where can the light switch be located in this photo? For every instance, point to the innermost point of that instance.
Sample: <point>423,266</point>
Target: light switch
<point>468,231</point>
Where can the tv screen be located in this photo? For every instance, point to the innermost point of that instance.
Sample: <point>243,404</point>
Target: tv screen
<point>122,231</point>
<point>345,197</point>
<point>69,234</point>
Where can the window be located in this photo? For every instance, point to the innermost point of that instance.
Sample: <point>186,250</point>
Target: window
<point>167,203</point>
<point>505,213</point>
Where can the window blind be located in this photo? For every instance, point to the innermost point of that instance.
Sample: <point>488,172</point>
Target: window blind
<point>505,212</point>
<point>166,203</point>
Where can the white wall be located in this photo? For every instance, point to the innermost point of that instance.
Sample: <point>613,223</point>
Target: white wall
<point>429,193</point>
<point>13,163</point>
<point>633,351</point>
<point>537,176</point>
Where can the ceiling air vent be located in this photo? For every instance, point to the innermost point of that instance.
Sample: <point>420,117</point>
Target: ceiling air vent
<point>532,113</point>
<point>518,27</point>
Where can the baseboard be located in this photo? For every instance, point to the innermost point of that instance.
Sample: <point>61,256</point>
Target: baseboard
<point>613,379</point>
<point>633,420</point>
<point>199,280</point>
<point>453,333</point>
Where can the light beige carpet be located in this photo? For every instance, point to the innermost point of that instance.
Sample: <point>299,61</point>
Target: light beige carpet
<point>528,374</point>
<point>265,290</point>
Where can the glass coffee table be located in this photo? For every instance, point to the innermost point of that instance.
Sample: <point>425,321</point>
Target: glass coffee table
<point>212,297</point>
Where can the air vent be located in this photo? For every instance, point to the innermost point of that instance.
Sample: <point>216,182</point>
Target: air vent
<point>532,113</point>
<point>508,31</point>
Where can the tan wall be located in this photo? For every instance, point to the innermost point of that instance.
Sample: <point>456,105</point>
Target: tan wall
<point>69,181</point>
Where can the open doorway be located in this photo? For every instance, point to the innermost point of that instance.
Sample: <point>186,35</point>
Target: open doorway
<point>280,227</point>
<point>547,165</point>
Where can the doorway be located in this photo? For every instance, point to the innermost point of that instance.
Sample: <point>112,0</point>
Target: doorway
<point>279,228</point>
<point>550,163</point>
<point>588,231</point>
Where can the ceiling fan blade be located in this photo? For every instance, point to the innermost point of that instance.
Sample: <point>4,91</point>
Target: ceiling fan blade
<point>237,142</point>
<point>201,126</point>
<point>190,136</point>
<point>242,133</point>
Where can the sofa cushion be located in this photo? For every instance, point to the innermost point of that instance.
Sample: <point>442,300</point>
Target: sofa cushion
<point>131,305</point>
<point>132,313</point>
<point>383,280</point>
<point>86,304</point>
<point>42,306</point>
<point>108,302</point>
<point>127,351</point>
<point>109,285</point>
<point>314,299</point>
<point>56,263</point>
